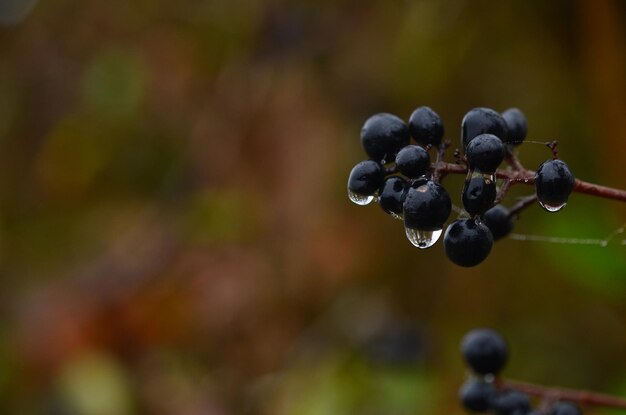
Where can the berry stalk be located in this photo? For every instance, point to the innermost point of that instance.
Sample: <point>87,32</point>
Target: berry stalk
<point>562,394</point>
<point>528,177</point>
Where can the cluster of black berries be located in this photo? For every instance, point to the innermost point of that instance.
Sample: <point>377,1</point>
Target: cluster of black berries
<point>486,353</point>
<point>399,175</point>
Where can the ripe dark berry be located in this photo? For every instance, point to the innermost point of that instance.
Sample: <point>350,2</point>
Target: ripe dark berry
<point>511,403</point>
<point>383,135</point>
<point>467,242</point>
<point>427,206</point>
<point>484,350</point>
<point>478,194</point>
<point>516,125</point>
<point>364,180</point>
<point>392,194</point>
<point>425,126</point>
<point>485,153</point>
<point>482,121</point>
<point>413,161</point>
<point>565,408</point>
<point>499,222</point>
<point>553,183</point>
<point>477,395</point>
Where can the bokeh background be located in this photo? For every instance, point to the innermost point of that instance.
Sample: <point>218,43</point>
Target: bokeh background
<point>175,236</point>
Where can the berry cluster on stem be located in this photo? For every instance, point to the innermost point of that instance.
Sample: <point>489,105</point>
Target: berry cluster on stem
<point>400,175</point>
<point>486,352</point>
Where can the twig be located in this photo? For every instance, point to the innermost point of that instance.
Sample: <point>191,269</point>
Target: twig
<point>557,394</point>
<point>503,191</point>
<point>528,177</point>
<point>522,204</point>
<point>512,159</point>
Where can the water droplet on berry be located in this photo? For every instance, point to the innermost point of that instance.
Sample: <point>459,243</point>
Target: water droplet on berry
<point>360,200</point>
<point>489,177</point>
<point>550,207</point>
<point>396,216</point>
<point>422,239</point>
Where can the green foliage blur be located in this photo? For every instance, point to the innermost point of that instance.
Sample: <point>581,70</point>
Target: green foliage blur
<point>175,236</point>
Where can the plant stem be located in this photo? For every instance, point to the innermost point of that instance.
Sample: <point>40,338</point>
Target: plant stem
<point>557,394</point>
<point>522,204</point>
<point>528,177</point>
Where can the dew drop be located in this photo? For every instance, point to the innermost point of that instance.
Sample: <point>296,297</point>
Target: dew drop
<point>552,207</point>
<point>396,216</point>
<point>422,239</point>
<point>360,200</point>
<point>489,177</point>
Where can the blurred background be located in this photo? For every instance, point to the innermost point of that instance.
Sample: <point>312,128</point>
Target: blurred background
<point>175,235</point>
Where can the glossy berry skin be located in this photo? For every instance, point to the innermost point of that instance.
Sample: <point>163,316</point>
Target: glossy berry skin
<point>484,350</point>
<point>392,194</point>
<point>467,242</point>
<point>553,182</point>
<point>511,403</point>
<point>366,178</point>
<point>427,206</point>
<point>482,121</point>
<point>516,125</point>
<point>485,153</point>
<point>425,126</point>
<point>383,135</point>
<point>565,408</point>
<point>478,194</point>
<point>498,221</point>
<point>477,395</point>
<point>413,161</point>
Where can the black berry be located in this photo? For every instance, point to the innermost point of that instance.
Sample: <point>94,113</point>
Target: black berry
<point>425,126</point>
<point>366,178</point>
<point>383,135</point>
<point>482,121</point>
<point>511,402</point>
<point>392,194</point>
<point>485,153</point>
<point>477,395</point>
<point>467,242</point>
<point>478,194</point>
<point>516,125</point>
<point>499,222</point>
<point>484,350</point>
<point>427,206</point>
<point>413,161</point>
<point>565,408</point>
<point>553,183</point>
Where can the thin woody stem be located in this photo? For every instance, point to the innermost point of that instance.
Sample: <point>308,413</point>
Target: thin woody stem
<point>522,204</point>
<point>512,159</point>
<point>528,177</point>
<point>557,394</point>
<point>503,191</point>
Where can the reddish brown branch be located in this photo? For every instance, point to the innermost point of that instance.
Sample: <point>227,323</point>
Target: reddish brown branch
<point>528,177</point>
<point>557,394</point>
<point>599,190</point>
<point>513,161</point>
<point>506,185</point>
<point>522,204</point>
